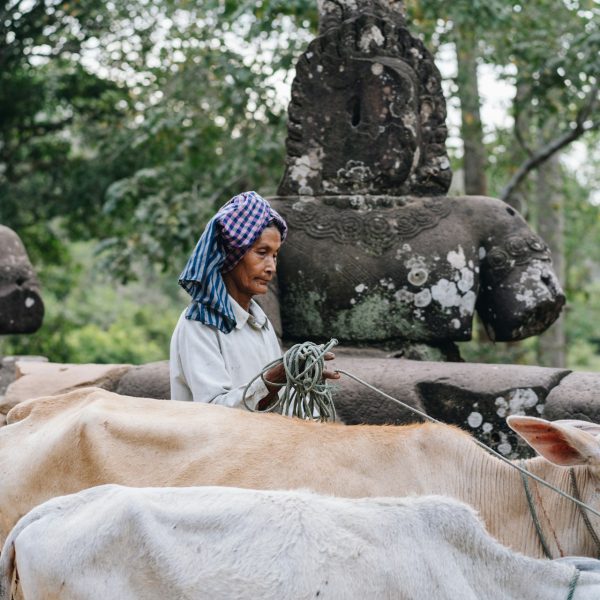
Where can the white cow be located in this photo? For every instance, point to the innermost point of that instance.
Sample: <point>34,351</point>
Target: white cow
<point>234,544</point>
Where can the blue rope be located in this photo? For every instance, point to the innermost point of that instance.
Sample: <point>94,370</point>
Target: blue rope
<point>573,584</point>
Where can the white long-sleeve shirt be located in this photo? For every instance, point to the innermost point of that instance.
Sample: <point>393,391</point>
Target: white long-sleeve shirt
<point>207,365</point>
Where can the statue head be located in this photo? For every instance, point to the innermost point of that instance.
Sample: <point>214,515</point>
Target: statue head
<point>519,295</point>
<point>367,115</point>
<point>332,13</point>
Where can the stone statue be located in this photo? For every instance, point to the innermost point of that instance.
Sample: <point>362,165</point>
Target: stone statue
<point>21,306</point>
<point>367,115</point>
<point>377,253</point>
<point>334,12</point>
<point>385,268</point>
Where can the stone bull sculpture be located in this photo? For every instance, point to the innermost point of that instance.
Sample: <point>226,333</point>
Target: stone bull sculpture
<point>383,268</point>
<point>21,306</point>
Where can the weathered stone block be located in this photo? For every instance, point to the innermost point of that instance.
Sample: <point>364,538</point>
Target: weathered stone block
<point>21,306</point>
<point>577,397</point>
<point>382,269</point>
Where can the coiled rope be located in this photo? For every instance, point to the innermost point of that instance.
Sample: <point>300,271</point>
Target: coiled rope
<point>305,394</point>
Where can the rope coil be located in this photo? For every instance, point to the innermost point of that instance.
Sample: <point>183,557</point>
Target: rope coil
<point>304,394</point>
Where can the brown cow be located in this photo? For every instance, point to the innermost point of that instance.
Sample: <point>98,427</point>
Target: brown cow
<point>62,444</point>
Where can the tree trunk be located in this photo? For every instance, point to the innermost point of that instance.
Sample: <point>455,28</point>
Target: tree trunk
<point>550,207</point>
<point>474,159</point>
<point>520,150</point>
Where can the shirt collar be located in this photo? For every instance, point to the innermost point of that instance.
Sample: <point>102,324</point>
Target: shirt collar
<point>256,317</point>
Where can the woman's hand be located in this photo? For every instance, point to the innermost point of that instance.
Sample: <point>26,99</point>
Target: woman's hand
<point>276,374</point>
<point>327,374</point>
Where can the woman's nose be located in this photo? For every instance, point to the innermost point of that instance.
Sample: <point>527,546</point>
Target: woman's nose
<point>271,265</point>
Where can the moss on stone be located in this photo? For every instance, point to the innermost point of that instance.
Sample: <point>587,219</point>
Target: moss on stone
<point>302,313</point>
<point>376,316</point>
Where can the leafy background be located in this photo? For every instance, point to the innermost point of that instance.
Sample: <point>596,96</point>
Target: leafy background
<point>124,125</point>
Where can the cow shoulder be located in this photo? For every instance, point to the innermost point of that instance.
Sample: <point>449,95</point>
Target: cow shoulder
<point>46,407</point>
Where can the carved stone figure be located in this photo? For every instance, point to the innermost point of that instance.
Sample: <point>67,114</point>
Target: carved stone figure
<point>367,115</point>
<point>21,306</point>
<point>381,268</point>
<point>377,253</point>
<point>334,12</point>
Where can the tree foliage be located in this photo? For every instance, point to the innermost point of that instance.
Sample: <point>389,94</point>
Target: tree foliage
<point>548,50</point>
<point>138,117</point>
<point>125,124</point>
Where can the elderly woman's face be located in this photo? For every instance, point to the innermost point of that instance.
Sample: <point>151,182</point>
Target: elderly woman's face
<point>252,274</point>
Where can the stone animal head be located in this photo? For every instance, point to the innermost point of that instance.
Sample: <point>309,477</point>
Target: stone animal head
<point>21,306</point>
<point>385,269</point>
<point>519,293</point>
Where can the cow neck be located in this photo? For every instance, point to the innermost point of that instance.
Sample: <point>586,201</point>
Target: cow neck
<point>534,499</point>
<point>575,493</point>
<point>547,502</point>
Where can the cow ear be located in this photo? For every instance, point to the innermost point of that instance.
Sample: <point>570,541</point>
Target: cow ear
<point>588,426</point>
<point>561,442</point>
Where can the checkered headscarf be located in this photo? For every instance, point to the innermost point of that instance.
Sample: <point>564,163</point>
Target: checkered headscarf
<point>227,237</point>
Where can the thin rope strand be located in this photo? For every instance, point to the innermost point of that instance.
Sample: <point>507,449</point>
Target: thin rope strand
<point>534,516</point>
<point>490,450</point>
<point>573,584</point>
<point>586,519</point>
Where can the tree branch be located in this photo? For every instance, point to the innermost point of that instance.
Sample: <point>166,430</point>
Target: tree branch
<point>519,135</point>
<point>544,153</point>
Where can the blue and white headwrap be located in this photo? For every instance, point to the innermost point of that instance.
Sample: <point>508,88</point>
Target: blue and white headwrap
<point>227,237</point>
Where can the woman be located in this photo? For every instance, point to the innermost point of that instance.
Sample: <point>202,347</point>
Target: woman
<point>223,339</point>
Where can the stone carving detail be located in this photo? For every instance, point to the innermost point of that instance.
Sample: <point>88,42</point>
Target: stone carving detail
<point>334,12</point>
<point>377,231</point>
<point>384,128</point>
<point>516,250</point>
<point>385,269</point>
<point>21,306</point>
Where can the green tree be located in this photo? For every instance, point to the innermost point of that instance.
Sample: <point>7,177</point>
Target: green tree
<point>139,118</point>
<point>125,124</point>
<point>56,113</point>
